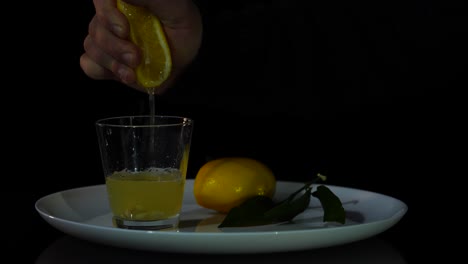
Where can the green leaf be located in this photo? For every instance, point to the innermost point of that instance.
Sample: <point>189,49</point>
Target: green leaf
<point>261,210</point>
<point>289,208</point>
<point>331,204</point>
<point>249,213</point>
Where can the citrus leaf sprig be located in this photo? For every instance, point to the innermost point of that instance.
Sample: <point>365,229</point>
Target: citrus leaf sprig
<point>261,210</point>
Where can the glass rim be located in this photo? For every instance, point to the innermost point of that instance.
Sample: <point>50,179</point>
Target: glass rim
<point>111,121</point>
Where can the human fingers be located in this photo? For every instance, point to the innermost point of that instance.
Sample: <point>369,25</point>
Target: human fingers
<point>99,65</point>
<point>94,70</point>
<point>111,52</point>
<point>97,72</point>
<point>172,13</point>
<point>183,26</point>
<point>111,18</point>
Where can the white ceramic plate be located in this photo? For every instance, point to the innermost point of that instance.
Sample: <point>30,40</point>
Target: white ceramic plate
<point>84,213</point>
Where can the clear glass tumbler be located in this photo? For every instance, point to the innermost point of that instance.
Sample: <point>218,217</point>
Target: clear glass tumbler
<point>145,160</point>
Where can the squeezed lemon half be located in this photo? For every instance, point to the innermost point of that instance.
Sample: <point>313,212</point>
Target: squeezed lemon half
<point>146,32</point>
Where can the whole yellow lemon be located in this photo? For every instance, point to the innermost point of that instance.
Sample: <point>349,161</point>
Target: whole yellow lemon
<point>224,183</point>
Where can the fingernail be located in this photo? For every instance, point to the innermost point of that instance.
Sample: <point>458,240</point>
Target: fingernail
<point>123,74</point>
<point>129,59</point>
<point>118,30</point>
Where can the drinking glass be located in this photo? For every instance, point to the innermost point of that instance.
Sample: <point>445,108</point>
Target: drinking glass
<point>145,160</point>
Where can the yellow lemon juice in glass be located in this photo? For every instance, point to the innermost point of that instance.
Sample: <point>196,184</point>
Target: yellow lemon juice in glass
<point>147,195</point>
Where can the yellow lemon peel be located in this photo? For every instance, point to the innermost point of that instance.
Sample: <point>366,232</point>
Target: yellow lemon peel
<point>224,183</point>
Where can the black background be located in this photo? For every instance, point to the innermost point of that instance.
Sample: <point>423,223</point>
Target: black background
<point>371,98</point>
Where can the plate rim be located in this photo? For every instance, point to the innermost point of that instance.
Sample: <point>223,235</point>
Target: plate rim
<point>61,224</point>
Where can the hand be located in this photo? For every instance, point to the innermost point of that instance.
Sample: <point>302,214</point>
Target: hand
<point>110,55</point>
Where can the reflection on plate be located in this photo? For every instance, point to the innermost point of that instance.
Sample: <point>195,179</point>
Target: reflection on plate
<point>71,250</point>
<point>84,213</point>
